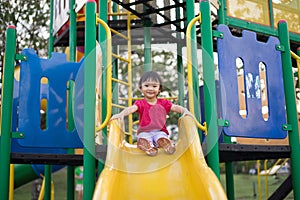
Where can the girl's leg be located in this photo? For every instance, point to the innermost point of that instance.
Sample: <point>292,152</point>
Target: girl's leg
<point>146,145</point>
<point>162,140</point>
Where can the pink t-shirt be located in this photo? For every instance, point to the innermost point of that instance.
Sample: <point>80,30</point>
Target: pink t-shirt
<point>153,117</point>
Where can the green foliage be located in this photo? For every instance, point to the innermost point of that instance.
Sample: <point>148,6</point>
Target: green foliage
<point>31,19</point>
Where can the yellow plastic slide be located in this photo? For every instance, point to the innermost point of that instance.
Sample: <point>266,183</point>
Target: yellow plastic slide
<point>129,174</point>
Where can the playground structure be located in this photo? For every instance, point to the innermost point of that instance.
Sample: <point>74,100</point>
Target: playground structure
<point>274,52</point>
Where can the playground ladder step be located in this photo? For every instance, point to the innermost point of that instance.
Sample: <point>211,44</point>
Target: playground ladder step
<point>228,153</point>
<point>55,159</point>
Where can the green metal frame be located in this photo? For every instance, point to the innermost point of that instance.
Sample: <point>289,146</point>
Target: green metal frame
<point>180,70</point>
<point>210,100</point>
<point>71,123</point>
<point>48,180</point>
<point>102,41</point>
<point>290,99</point>
<point>147,44</point>
<point>89,101</point>
<point>6,110</point>
<point>51,37</point>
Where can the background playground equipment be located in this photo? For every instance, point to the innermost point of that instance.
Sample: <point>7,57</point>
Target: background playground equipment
<point>47,97</point>
<point>229,13</point>
<point>278,167</point>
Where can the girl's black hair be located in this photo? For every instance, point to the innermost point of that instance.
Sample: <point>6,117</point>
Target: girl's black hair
<point>152,76</point>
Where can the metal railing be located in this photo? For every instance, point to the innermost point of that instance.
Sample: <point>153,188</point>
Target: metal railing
<point>189,69</point>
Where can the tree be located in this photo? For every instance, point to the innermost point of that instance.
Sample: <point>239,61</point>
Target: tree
<point>31,18</point>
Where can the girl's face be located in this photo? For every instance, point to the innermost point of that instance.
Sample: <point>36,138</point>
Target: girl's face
<point>150,89</point>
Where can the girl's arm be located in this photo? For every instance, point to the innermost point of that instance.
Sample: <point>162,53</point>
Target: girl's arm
<point>181,110</point>
<point>127,111</point>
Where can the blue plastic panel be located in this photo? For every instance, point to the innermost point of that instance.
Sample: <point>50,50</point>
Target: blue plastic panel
<point>58,72</point>
<point>252,52</point>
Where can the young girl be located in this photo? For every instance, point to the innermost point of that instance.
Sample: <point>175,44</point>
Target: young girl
<point>152,132</point>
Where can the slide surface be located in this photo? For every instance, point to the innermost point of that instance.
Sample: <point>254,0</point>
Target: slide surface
<point>130,174</point>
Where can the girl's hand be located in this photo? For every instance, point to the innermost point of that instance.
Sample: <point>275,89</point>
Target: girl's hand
<point>117,116</point>
<point>187,112</point>
<point>127,111</point>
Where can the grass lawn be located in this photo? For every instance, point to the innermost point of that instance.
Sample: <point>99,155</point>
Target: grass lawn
<point>245,186</point>
<point>60,184</point>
